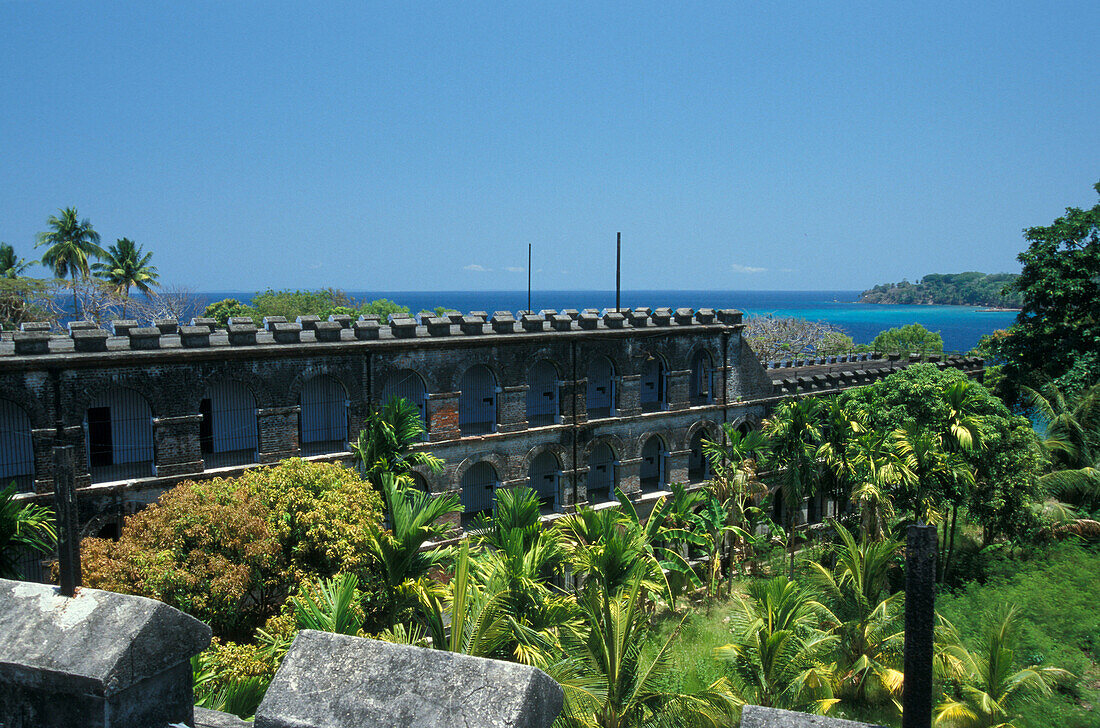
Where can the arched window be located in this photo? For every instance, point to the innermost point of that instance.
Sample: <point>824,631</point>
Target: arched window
<point>698,466</point>
<point>602,399</point>
<point>407,384</point>
<point>602,474</point>
<point>653,473</point>
<point>119,436</point>
<point>419,482</point>
<point>479,485</point>
<point>227,432</point>
<point>654,385</point>
<point>477,404</point>
<point>543,476</point>
<point>702,378</point>
<point>323,418</point>
<point>16,448</point>
<point>542,395</point>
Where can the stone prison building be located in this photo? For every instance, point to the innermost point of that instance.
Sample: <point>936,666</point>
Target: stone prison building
<point>573,404</point>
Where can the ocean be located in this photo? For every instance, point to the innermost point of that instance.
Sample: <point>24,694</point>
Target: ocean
<point>960,326</point>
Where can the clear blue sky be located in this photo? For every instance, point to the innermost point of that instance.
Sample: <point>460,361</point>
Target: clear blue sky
<point>422,146</point>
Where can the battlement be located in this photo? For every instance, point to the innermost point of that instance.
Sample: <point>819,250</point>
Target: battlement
<point>36,339</point>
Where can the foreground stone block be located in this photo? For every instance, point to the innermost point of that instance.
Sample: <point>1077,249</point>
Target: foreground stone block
<point>335,681</point>
<point>96,660</point>
<point>755,716</point>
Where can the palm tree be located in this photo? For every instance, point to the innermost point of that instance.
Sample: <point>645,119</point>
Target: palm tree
<point>11,266</point>
<point>990,690</point>
<point>879,470</point>
<point>70,242</point>
<point>842,425</point>
<point>126,265</point>
<point>330,606</point>
<point>385,444</point>
<point>794,432</point>
<point>415,518</point>
<point>1070,433</point>
<point>780,656</point>
<point>23,527</point>
<point>609,682</point>
<point>871,640</point>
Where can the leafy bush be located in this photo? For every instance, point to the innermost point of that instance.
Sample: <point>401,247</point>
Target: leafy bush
<point>228,550</point>
<point>909,339</point>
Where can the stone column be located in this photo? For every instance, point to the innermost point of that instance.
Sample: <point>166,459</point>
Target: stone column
<point>569,479</point>
<point>43,440</point>
<point>679,389</point>
<point>176,446</point>
<point>627,474</point>
<point>442,412</point>
<point>512,409</point>
<point>629,391</point>
<point>677,465</point>
<point>278,433</point>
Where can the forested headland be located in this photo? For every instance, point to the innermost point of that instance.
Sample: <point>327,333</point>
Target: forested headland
<point>950,289</point>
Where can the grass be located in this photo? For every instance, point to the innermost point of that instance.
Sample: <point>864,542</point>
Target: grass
<point>1056,588</point>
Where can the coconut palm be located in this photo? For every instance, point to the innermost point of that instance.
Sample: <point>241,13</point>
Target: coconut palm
<point>385,444</point>
<point>1070,432</point>
<point>23,527</point>
<point>125,265</point>
<point>780,656</point>
<point>794,432</point>
<point>869,650</point>
<point>610,682</point>
<point>842,425</point>
<point>738,488</point>
<point>70,243</point>
<point>990,688</point>
<point>12,266</point>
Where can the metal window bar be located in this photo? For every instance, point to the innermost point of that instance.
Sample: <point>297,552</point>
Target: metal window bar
<point>544,476</point>
<point>407,384</point>
<point>118,431</point>
<point>477,403</point>
<point>654,469</point>
<point>228,433</point>
<point>542,395</point>
<point>479,485</point>
<point>602,475</point>
<point>600,400</point>
<point>323,417</point>
<point>698,465</point>
<point>654,386</point>
<point>16,448</point>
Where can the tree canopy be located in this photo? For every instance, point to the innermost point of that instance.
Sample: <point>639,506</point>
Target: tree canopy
<point>950,289</point>
<point>1057,332</point>
<point>913,338</point>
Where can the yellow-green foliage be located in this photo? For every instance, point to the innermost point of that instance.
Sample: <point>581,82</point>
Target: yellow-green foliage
<point>323,515</point>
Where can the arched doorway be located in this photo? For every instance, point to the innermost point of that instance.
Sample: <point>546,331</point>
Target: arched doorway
<point>602,398</point>
<point>602,474</point>
<point>544,477</point>
<point>698,466</point>
<point>118,429</point>
<point>479,484</point>
<point>654,385</point>
<point>227,433</point>
<point>653,472</point>
<point>702,378</point>
<point>323,418</point>
<point>542,394</point>
<point>16,448</point>
<point>408,385</point>
<point>477,403</point>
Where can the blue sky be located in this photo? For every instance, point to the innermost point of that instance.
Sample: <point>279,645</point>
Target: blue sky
<point>405,146</point>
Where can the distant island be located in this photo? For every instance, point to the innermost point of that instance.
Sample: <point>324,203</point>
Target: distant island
<point>950,289</point>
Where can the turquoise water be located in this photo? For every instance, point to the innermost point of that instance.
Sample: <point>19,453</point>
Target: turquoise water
<point>960,326</point>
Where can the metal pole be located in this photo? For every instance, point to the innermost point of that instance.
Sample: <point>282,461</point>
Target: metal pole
<point>920,611</point>
<point>529,278</point>
<point>618,267</point>
<point>68,536</point>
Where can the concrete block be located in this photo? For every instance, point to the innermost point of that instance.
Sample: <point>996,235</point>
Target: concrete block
<point>283,332</point>
<point>438,325</point>
<point>730,316</point>
<point>661,317</point>
<point>89,340</point>
<point>371,317</point>
<point>122,327</point>
<point>216,719</point>
<point>207,322</point>
<point>31,342</point>
<point>95,660</point>
<point>194,337</point>
<point>614,320</point>
<point>683,316</point>
<point>270,321</point>
<point>705,315</point>
<point>335,681</point>
<point>341,318</point>
<point>145,337</point>
<point>241,334</point>
<point>402,327</point>
<point>308,322</point>
<point>588,320</point>
<point>561,322</point>
<point>472,325</point>
<point>570,312</point>
<point>756,716</point>
<point>638,318</point>
<point>533,322</point>
<point>503,322</point>
<point>238,320</point>
<point>454,316</point>
<point>81,326</point>
<point>167,326</point>
<point>326,330</point>
<point>366,329</point>
<point>30,326</point>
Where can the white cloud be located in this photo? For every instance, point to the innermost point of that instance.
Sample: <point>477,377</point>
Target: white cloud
<point>477,268</point>
<point>514,269</point>
<point>738,268</point>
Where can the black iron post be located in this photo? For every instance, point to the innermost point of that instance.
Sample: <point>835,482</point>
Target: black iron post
<point>618,267</point>
<point>529,278</point>
<point>68,519</point>
<point>920,611</point>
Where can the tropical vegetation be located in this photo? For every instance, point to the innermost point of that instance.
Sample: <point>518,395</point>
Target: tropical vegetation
<point>950,289</point>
